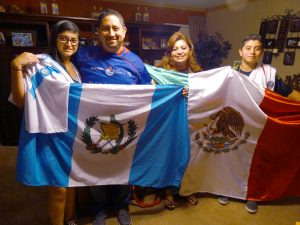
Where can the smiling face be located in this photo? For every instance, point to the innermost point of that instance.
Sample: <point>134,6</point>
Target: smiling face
<point>111,34</point>
<point>180,55</point>
<point>67,44</point>
<point>251,52</point>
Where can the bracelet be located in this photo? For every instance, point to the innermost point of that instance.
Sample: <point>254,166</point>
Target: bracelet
<point>15,69</point>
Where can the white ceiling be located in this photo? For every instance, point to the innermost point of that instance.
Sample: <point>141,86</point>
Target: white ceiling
<point>182,4</point>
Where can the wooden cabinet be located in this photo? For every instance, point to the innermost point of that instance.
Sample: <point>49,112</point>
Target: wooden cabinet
<point>149,40</point>
<point>31,33</point>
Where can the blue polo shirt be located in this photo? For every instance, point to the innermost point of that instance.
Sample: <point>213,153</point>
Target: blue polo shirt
<point>101,67</point>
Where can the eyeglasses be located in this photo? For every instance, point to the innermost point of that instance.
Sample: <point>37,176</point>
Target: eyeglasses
<point>65,40</point>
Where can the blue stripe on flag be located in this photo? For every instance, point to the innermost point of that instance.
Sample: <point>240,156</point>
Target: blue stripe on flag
<point>45,159</point>
<point>161,162</point>
<point>38,78</point>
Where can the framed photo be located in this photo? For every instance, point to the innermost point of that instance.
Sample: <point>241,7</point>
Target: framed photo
<point>263,29</point>
<point>267,59</point>
<point>295,25</point>
<point>293,42</point>
<point>289,58</point>
<point>282,34</point>
<point>149,43</point>
<point>23,39</point>
<point>2,38</point>
<point>270,43</point>
<point>272,26</point>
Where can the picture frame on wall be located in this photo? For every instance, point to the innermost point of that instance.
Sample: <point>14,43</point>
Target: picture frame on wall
<point>289,58</point>
<point>293,42</point>
<point>272,27</point>
<point>267,58</point>
<point>270,43</point>
<point>295,25</point>
<point>23,39</point>
<point>148,43</point>
<point>263,29</point>
<point>282,34</point>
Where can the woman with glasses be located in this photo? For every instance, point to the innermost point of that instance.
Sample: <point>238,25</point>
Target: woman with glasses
<point>180,56</point>
<point>64,44</point>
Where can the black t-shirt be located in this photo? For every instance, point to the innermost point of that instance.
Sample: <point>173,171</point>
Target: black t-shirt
<point>280,87</point>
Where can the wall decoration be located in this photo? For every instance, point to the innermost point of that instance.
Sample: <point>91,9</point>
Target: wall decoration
<point>289,58</point>
<point>270,43</point>
<point>287,36</point>
<point>267,59</point>
<point>263,29</point>
<point>293,42</point>
<point>149,43</point>
<point>295,25</point>
<point>282,34</point>
<point>272,27</point>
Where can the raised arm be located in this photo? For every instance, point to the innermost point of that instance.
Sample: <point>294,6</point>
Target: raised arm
<point>17,76</point>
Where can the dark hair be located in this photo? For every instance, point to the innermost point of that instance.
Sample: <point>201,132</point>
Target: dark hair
<point>59,27</point>
<point>168,63</point>
<point>251,37</point>
<point>109,12</point>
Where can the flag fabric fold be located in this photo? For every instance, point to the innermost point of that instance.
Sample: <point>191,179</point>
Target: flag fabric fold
<point>46,116</point>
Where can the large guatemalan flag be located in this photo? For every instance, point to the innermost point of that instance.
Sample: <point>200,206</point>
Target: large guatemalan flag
<point>244,140</point>
<point>92,134</point>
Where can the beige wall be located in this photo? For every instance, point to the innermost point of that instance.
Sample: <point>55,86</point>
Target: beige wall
<point>235,24</point>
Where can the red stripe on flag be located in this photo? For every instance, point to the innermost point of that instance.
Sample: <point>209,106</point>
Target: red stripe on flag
<point>275,168</point>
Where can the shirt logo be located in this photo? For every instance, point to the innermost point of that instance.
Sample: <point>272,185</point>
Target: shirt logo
<point>109,71</point>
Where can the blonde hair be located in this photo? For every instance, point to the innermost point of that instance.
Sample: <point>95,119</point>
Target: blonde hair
<point>168,63</point>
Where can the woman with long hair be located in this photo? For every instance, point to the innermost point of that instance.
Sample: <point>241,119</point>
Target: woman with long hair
<point>64,44</point>
<point>180,56</point>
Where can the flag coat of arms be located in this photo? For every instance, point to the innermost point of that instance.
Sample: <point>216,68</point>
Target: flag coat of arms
<point>244,140</point>
<point>115,134</point>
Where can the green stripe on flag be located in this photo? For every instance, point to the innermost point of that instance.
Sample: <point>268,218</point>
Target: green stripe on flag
<point>163,76</point>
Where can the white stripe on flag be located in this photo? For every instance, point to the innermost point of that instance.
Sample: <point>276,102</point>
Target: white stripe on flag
<point>225,123</point>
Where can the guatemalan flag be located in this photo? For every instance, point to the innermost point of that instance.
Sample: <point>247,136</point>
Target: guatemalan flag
<point>100,134</point>
<point>244,140</point>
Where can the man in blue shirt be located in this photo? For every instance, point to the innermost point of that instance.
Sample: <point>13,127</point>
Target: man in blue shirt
<point>111,63</point>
